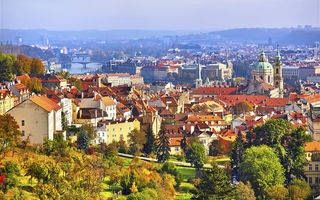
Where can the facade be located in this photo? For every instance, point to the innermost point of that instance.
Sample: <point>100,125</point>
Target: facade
<point>290,73</point>
<point>123,79</point>
<point>108,131</point>
<point>38,118</point>
<point>277,73</point>
<point>304,72</point>
<point>219,71</point>
<point>6,101</point>
<point>312,173</point>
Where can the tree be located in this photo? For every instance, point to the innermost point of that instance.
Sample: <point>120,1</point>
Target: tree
<point>237,151</point>
<point>6,64</point>
<point>298,189</point>
<point>137,139</point>
<point>277,192</point>
<point>34,85</point>
<point>83,141</point>
<point>196,155</point>
<point>76,83</point>
<point>163,149</point>
<point>183,143</point>
<point>315,157</point>
<point>214,184</point>
<point>36,66</point>
<point>111,154</point>
<point>244,192</point>
<point>10,136</point>
<point>150,145</point>
<point>89,130</point>
<point>261,167</point>
<point>216,148</point>
<point>294,159</point>
<point>170,168</point>
<point>242,108</point>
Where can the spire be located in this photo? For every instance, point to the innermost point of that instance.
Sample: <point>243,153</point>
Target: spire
<point>263,56</point>
<point>277,58</point>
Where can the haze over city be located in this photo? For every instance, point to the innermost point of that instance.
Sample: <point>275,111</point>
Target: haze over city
<point>200,15</point>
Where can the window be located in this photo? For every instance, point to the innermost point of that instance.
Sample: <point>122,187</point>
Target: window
<point>22,133</point>
<point>317,180</point>
<point>176,148</point>
<point>277,71</point>
<point>120,129</point>
<point>310,167</point>
<point>316,167</point>
<point>22,123</point>
<point>310,180</point>
<point>269,79</point>
<point>113,129</point>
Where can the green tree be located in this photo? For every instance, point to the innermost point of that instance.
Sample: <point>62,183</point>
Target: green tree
<point>244,192</point>
<point>214,184</point>
<point>111,154</point>
<point>163,149</point>
<point>261,167</point>
<point>294,159</point>
<point>150,145</point>
<point>76,83</point>
<point>170,168</point>
<point>83,141</point>
<point>277,192</point>
<point>237,151</point>
<point>137,139</point>
<point>298,189</point>
<point>6,65</point>
<point>196,155</point>
<point>183,143</point>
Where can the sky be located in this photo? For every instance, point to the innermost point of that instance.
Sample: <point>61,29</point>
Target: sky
<point>157,14</point>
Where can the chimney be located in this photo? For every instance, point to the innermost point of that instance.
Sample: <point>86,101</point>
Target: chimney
<point>182,109</point>
<point>167,106</point>
<point>96,113</point>
<point>184,127</point>
<point>82,95</point>
<point>80,113</point>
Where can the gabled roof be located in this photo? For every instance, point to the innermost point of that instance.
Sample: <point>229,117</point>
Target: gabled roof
<point>44,103</point>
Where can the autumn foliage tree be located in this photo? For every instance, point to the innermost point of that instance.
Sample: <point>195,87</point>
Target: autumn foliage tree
<point>34,85</point>
<point>9,133</point>
<point>242,108</point>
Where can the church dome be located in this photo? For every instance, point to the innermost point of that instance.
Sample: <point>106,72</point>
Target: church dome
<point>263,63</point>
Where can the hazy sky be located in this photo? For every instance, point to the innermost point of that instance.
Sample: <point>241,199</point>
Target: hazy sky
<point>157,14</point>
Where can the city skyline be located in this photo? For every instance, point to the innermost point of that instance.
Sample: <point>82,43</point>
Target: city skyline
<point>203,15</point>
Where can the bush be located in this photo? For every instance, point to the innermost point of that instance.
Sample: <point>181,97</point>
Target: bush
<point>90,151</point>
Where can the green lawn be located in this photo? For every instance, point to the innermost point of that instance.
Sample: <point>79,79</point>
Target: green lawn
<point>187,173</point>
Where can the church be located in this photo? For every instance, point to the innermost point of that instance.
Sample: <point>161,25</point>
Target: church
<point>265,78</point>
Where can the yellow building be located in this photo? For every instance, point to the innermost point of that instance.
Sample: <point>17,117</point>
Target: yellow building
<point>312,172</point>
<point>109,131</point>
<point>6,101</point>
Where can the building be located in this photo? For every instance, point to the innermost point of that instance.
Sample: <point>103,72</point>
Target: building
<point>199,79</point>
<point>266,79</point>
<point>123,79</point>
<point>38,117</point>
<point>108,131</point>
<point>290,73</point>
<point>218,71</point>
<point>312,173</point>
<point>304,72</point>
<point>6,101</point>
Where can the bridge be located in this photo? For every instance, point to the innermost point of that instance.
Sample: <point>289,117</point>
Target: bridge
<point>83,59</point>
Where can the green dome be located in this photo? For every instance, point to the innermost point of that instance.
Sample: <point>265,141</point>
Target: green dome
<point>262,66</point>
<point>263,63</point>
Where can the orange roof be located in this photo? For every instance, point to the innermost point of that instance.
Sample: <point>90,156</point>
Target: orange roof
<point>44,103</point>
<point>23,77</point>
<point>175,141</point>
<point>51,102</point>
<point>108,101</point>
<point>312,146</point>
<point>203,118</point>
<point>118,74</point>
<point>215,90</point>
<point>312,98</point>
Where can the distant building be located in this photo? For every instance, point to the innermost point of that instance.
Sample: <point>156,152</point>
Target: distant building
<point>155,72</point>
<point>290,73</point>
<point>218,71</point>
<point>123,79</point>
<point>304,72</point>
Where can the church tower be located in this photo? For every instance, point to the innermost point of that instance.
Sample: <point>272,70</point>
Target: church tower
<point>277,73</point>
<point>199,80</point>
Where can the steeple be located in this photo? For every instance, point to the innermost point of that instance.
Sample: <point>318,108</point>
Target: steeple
<point>263,57</point>
<point>277,58</point>
<point>199,80</point>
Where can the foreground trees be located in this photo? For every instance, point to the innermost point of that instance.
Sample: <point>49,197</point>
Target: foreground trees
<point>196,155</point>
<point>214,184</point>
<point>261,167</point>
<point>163,149</point>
